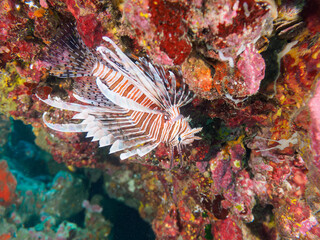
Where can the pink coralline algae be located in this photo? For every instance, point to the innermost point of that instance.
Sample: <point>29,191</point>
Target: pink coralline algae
<point>296,219</point>
<point>229,26</point>
<point>315,122</point>
<point>227,31</point>
<point>233,182</point>
<point>251,66</point>
<point>223,31</point>
<point>230,226</point>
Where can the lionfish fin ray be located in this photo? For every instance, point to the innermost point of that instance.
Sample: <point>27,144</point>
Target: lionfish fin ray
<point>121,145</point>
<point>69,56</point>
<point>196,130</point>
<point>70,127</point>
<point>99,134</point>
<point>88,92</point>
<point>58,103</point>
<point>89,120</point>
<point>117,146</point>
<point>128,154</point>
<point>123,64</point>
<point>146,149</point>
<point>106,140</point>
<point>92,132</point>
<point>173,87</point>
<point>82,115</point>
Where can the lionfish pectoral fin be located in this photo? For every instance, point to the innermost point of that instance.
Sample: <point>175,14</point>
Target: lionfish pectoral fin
<point>92,132</point>
<point>146,149</point>
<point>70,127</point>
<point>81,115</point>
<point>128,154</point>
<point>99,134</point>
<point>106,140</point>
<point>117,146</point>
<point>121,145</point>
<point>58,103</point>
<point>92,126</point>
<point>89,120</point>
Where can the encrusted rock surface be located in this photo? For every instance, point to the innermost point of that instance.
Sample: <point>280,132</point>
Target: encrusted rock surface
<point>256,170</point>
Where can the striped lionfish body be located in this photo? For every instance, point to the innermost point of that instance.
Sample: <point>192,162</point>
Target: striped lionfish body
<point>131,105</point>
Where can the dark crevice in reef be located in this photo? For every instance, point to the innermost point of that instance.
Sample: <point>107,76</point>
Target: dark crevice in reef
<point>261,226</point>
<point>270,57</point>
<point>245,161</point>
<point>127,224</point>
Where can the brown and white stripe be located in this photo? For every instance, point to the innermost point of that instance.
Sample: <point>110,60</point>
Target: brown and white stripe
<point>131,106</point>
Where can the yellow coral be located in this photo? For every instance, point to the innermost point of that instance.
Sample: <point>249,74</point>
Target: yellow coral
<point>9,80</point>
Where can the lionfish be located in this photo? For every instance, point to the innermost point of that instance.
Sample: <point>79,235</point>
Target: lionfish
<point>132,104</point>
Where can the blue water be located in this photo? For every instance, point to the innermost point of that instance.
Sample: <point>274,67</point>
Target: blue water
<point>27,161</point>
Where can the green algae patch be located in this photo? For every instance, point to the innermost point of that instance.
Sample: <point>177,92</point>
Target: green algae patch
<point>9,81</point>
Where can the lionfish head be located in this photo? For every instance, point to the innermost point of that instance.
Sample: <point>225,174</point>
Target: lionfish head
<point>187,135</point>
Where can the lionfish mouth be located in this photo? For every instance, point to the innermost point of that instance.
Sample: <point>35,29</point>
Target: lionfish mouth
<point>180,116</point>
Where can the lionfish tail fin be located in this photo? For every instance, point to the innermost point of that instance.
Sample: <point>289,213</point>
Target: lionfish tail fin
<point>68,56</point>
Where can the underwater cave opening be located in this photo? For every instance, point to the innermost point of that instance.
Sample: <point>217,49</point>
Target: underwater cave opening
<point>127,223</point>
<point>24,155</point>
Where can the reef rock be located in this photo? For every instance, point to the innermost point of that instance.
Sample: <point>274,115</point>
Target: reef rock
<point>254,65</point>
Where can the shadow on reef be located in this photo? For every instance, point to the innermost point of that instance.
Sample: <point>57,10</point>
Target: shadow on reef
<point>50,200</point>
<point>259,227</point>
<point>127,224</point>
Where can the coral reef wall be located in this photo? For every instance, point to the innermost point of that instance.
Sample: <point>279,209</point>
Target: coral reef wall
<point>254,65</point>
